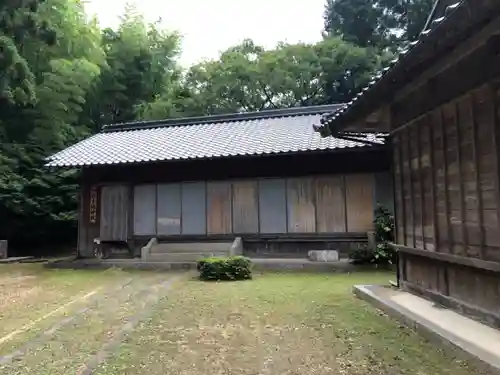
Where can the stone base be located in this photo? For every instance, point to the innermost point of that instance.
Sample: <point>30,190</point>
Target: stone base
<point>323,256</point>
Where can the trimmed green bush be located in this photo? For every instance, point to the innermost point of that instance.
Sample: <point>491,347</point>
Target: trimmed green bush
<point>222,268</point>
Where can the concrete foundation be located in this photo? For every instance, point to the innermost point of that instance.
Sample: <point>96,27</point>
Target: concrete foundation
<point>474,341</point>
<point>285,265</point>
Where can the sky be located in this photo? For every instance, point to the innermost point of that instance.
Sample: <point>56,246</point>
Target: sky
<point>211,26</point>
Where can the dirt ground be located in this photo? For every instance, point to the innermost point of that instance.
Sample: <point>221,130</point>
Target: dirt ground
<point>116,322</point>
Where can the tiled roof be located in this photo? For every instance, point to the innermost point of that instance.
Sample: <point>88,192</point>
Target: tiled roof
<point>259,133</point>
<point>448,20</point>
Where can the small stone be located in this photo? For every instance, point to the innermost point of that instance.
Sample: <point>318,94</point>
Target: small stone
<point>323,256</point>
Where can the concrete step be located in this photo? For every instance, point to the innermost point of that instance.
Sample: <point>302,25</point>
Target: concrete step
<point>183,257</point>
<point>190,247</point>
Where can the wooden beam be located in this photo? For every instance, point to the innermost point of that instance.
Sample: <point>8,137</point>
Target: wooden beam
<point>465,235</point>
<point>450,258</point>
<point>433,185</point>
<point>477,171</point>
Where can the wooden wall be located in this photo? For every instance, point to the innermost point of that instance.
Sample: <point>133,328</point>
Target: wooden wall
<point>446,174</point>
<point>447,201</point>
<point>307,205</point>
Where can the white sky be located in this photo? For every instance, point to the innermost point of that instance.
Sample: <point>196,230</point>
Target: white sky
<point>210,26</point>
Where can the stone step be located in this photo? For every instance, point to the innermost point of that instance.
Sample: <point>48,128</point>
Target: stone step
<point>190,247</point>
<point>183,257</point>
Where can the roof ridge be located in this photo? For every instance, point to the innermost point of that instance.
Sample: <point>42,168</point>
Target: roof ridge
<point>211,119</point>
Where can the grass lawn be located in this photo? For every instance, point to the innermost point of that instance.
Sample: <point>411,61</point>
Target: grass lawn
<point>276,324</point>
<point>117,323</point>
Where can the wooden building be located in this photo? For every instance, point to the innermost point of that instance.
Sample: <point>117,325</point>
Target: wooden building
<point>266,177</point>
<point>440,101</point>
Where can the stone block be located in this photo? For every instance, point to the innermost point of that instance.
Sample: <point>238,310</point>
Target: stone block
<point>323,256</point>
<point>236,247</point>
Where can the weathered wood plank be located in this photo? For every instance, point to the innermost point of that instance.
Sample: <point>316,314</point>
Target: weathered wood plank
<point>492,94</point>
<point>451,258</point>
<point>169,210</point>
<point>193,201</point>
<point>458,126</point>
<point>114,221</point>
<point>359,202</point>
<point>432,166</point>
<point>402,213</point>
<point>330,205</point>
<point>145,210</point>
<point>411,182</point>
<point>272,206</point>
<point>219,212</point>
<point>301,206</point>
<point>476,167</point>
<point>245,207</point>
<point>420,178</point>
<point>444,150</point>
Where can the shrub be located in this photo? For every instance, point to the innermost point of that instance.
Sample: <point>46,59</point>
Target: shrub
<point>222,268</point>
<point>383,253</point>
<point>360,255</point>
<point>384,235</point>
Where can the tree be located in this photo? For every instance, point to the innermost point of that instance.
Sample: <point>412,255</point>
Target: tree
<point>381,24</point>
<point>141,64</point>
<point>62,77</point>
<point>52,82</point>
<point>247,77</point>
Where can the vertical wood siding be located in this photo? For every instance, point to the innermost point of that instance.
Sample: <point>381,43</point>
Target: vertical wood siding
<point>330,205</point>
<point>169,209</point>
<point>301,205</point>
<point>219,215</point>
<point>245,207</point>
<point>194,208</point>
<point>113,223</point>
<point>145,209</point>
<point>447,182</point>
<point>266,206</point>
<point>359,197</point>
<point>272,206</point>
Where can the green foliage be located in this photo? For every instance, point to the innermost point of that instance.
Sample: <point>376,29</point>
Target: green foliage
<point>221,268</point>
<point>384,236</point>
<point>381,24</point>
<point>248,77</point>
<point>361,255</point>
<point>62,78</point>
<point>383,253</point>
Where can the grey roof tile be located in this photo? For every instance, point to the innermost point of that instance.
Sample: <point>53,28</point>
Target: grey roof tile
<point>240,135</point>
